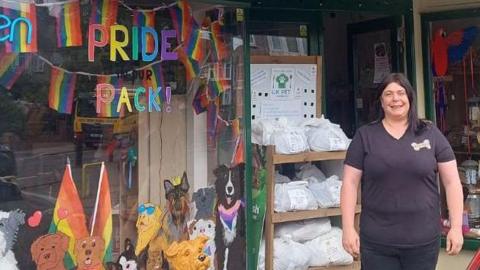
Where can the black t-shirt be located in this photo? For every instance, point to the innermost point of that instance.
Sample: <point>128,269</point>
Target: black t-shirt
<point>400,198</point>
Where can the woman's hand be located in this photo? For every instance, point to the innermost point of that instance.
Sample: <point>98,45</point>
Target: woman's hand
<point>351,242</point>
<point>454,241</point>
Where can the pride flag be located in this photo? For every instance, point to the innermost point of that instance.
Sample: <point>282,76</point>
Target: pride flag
<point>196,45</point>
<point>182,20</point>
<point>69,216</point>
<point>69,32</point>
<point>11,67</point>
<point>62,87</point>
<point>24,34</point>
<point>104,12</point>
<point>110,109</point>
<point>102,214</point>
<point>192,68</point>
<point>219,48</point>
<point>216,84</point>
<point>156,80</point>
<point>145,18</point>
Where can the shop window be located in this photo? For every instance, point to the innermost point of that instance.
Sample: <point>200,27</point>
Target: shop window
<point>276,38</point>
<point>121,125</point>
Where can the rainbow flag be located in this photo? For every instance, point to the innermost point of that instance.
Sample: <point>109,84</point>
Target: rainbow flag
<point>145,18</point>
<point>62,87</point>
<point>196,46</point>
<point>11,67</point>
<point>24,36</point>
<point>182,20</point>
<point>219,49</point>
<point>156,80</point>
<point>110,110</point>
<point>102,214</point>
<point>104,12</point>
<point>69,216</point>
<point>216,86</point>
<point>192,68</point>
<point>69,32</point>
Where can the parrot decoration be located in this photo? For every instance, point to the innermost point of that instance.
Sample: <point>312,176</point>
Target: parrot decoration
<point>450,48</point>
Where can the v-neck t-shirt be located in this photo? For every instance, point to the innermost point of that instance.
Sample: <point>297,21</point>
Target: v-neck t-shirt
<point>400,195</point>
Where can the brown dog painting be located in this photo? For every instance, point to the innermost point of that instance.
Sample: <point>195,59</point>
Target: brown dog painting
<point>48,251</point>
<point>89,253</point>
<point>176,193</point>
<point>188,255</point>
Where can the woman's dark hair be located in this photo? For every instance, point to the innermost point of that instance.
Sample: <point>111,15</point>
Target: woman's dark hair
<point>414,123</point>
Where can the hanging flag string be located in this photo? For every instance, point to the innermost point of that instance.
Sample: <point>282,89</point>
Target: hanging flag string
<point>51,4</point>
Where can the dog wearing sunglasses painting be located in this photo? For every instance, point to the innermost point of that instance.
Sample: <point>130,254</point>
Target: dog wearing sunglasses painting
<point>176,193</point>
<point>149,223</point>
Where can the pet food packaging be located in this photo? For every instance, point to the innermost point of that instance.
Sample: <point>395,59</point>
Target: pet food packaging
<point>322,135</point>
<point>304,230</point>
<point>327,249</point>
<point>294,196</point>
<point>310,170</point>
<point>327,193</point>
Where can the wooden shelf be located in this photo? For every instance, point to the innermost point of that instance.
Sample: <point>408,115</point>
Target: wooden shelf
<point>309,214</point>
<point>308,156</point>
<point>354,266</point>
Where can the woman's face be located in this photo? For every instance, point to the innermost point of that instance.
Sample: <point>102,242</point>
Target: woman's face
<point>395,101</point>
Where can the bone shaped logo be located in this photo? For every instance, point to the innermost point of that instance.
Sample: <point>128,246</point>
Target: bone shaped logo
<point>419,146</point>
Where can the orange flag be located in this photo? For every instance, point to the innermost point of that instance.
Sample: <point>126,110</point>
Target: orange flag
<point>102,214</point>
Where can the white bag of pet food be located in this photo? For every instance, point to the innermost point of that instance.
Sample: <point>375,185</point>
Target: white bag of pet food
<point>290,255</point>
<point>294,196</point>
<point>309,170</point>
<point>330,246</point>
<point>280,178</point>
<point>327,193</point>
<point>263,129</point>
<point>290,141</point>
<point>304,230</point>
<point>322,135</point>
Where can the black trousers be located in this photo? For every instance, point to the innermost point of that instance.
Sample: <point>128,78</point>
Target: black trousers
<point>382,257</point>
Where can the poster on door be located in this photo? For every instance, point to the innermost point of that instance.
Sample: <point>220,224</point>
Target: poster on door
<point>382,63</point>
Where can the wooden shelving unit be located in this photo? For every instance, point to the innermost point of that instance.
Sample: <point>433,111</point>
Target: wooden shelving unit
<point>273,218</point>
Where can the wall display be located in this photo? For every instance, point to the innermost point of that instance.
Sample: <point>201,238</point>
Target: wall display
<point>284,90</point>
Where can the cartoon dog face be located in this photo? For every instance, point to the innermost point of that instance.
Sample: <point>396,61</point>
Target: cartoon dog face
<point>204,199</point>
<point>149,222</point>
<point>176,193</point>
<point>155,253</point>
<point>89,252</point>
<point>205,227</point>
<point>127,264</point>
<point>48,251</point>
<point>229,184</point>
<point>188,255</point>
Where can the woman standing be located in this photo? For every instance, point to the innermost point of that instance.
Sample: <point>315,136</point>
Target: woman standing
<point>396,159</point>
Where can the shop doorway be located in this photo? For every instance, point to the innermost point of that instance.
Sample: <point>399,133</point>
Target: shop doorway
<point>359,49</point>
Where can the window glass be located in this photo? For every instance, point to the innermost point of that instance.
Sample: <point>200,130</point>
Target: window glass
<point>121,132</point>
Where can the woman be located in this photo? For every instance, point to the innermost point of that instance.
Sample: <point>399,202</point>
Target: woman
<point>396,158</point>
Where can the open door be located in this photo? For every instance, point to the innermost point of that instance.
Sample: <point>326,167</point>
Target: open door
<point>374,49</point>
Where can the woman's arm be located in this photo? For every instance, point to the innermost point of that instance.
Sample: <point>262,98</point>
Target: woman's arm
<point>453,188</point>
<point>348,201</point>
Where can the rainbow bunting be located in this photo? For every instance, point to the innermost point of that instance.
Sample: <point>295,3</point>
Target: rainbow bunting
<point>104,12</point>
<point>69,216</point>
<point>219,49</point>
<point>183,21</point>
<point>110,109</point>
<point>196,46</point>
<point>145,18</point>
<point>102,214</point>
<point>62,87</point>
<point>156,80</point>
<point>69,32</point>
<point>24,37</point>
<point>192,68</point>
<point>11,67</point>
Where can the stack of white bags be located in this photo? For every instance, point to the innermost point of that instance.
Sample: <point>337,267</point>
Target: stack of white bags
<point>299,245</point>
<point>291,137</point>
<point>311,190</point>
